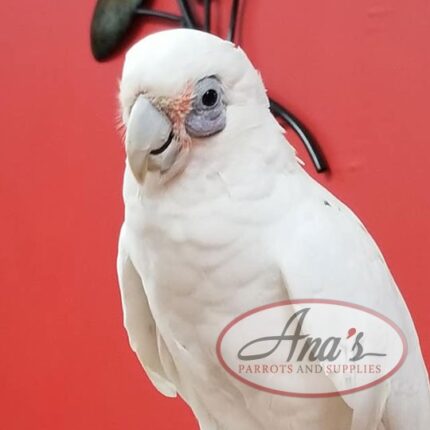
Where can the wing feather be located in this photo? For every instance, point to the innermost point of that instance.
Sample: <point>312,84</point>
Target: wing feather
<point>139,322</point>
<point>325,252</point>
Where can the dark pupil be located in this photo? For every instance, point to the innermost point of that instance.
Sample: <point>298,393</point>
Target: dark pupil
<point>209,98</point>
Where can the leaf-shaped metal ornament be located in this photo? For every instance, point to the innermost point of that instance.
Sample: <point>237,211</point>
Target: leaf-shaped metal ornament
<point>110,24</point>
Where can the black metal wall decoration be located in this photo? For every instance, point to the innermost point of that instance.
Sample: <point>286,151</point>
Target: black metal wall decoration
<point>113,19</point>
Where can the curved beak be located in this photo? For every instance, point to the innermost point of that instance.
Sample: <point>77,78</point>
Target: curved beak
<point>148,130</point>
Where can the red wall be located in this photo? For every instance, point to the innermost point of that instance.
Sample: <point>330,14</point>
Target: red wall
<point>357,73</point>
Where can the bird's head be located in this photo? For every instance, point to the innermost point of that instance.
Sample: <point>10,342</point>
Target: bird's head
<point>179,89</point>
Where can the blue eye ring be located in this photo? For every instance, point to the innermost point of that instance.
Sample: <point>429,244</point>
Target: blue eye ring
<point>208,114</point>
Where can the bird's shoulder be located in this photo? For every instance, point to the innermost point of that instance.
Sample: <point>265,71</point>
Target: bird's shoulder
<point>323,249</point>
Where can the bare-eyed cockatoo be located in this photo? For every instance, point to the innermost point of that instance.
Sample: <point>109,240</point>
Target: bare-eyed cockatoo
<point>221,218</point>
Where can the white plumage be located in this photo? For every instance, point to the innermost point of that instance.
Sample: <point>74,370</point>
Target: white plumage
<point>217,225</point>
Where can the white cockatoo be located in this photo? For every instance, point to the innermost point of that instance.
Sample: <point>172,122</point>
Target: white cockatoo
<point>221,218</point>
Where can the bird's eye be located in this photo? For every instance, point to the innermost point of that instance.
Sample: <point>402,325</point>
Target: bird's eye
<point>209,98</point>
<point>208,114</point>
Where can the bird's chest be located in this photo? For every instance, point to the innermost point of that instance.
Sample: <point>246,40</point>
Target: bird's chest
<point>203,267</point>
